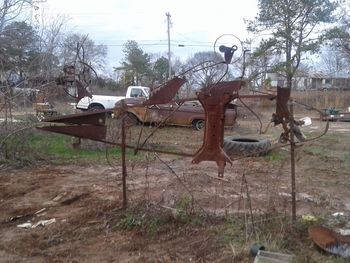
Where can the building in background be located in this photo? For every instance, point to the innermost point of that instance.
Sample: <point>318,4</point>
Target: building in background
<point>312,81</point>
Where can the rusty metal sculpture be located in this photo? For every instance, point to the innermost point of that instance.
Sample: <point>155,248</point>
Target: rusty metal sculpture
<point>214,99</point>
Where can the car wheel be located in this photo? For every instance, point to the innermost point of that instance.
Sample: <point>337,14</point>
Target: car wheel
<point>131,119</point>
<point>243,146</point>
<point>95,107</point>
<point>198,124</point>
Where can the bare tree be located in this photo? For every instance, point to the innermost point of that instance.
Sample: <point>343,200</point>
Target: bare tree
<point>210,70</point>
<point>340,36</point>
<point>88,51</point>
<point>333,61</point>
<point>10,10</point>
<point>51,37</point>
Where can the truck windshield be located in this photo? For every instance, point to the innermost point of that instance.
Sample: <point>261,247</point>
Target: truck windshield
<point>139,92</point>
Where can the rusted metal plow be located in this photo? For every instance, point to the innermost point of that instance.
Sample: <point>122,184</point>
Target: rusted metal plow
<point>89,125</point>
<point>330,241</point>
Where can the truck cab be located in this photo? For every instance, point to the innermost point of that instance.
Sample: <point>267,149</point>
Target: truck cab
<point>101,102</point>
<point>137,92</point>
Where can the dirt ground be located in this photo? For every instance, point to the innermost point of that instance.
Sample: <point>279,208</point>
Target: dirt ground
<point>177,211</point>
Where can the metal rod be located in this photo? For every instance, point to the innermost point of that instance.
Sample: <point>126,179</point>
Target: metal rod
<point>123,147</point>
<point>292,160</point>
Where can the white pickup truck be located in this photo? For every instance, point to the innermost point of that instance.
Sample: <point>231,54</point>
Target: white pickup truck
<point>100,102</point>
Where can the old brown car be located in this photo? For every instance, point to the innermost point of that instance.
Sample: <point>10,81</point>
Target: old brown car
<point>190,113</point>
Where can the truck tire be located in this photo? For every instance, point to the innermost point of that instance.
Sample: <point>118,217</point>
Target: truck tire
<point>131,119</point>
<point>244,146</point>
<point>95,107</point>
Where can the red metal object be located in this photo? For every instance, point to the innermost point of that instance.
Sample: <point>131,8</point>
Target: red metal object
<point>282,112</point>
<point>330,241</point>
<point>79,80</point>
<point>92,132</point>
<point>214,100</point>
<point>123,150</point>
<point>90,125</point>
<point>93,118</point>
<point>164,94</point>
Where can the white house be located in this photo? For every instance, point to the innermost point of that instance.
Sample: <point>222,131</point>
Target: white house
<point>312,81</point>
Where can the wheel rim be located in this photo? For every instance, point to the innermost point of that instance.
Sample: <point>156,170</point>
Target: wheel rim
<point>199,124</point>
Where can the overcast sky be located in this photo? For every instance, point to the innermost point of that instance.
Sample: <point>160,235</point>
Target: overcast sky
<point>194,24</point>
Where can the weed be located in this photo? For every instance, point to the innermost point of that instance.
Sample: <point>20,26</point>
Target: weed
<point>184,209</point>
<point>233,230</point>
<point>149,221</point>
<point>315,150</point>
<point>197,220</point>
<point>347,158</point>
<point>275,157</point>
<point>127,221</point>
<point>14,146</point>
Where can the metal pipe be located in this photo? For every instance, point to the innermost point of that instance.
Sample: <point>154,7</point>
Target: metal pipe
<point>292,159</point>
<point>123,147</point>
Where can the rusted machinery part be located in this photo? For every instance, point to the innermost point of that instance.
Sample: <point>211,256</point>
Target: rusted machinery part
<point>87,125</point>
<point>77,74</point>
<point>330,241</point>
<point>214,100</point>
<point>282,111</point>
<point>165,93</point>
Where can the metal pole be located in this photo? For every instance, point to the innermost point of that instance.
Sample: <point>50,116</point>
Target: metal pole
<point>123,147</point>
<point>169,54</point>
<point>292,160</point>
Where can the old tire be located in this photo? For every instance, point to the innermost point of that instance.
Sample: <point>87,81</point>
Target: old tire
<point>244,146</point>
<point>131,119</point>
<point>95,107</point>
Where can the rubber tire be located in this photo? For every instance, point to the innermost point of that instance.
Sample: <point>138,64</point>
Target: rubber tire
<point>95,107</point>
<point>245,146</point>
<point>198,124</point>
<point>131,119</point>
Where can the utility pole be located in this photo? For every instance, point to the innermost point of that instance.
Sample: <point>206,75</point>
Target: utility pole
<point>169,54</point>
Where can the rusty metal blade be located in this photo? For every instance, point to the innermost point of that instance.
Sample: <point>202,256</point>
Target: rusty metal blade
<point>282,111</point>
<point>92,132</point>
<point>164,94</point>
<point>92,118</point>
<point>224,87</point>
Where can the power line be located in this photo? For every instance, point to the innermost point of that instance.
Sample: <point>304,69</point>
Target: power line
<point>181,44</point>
